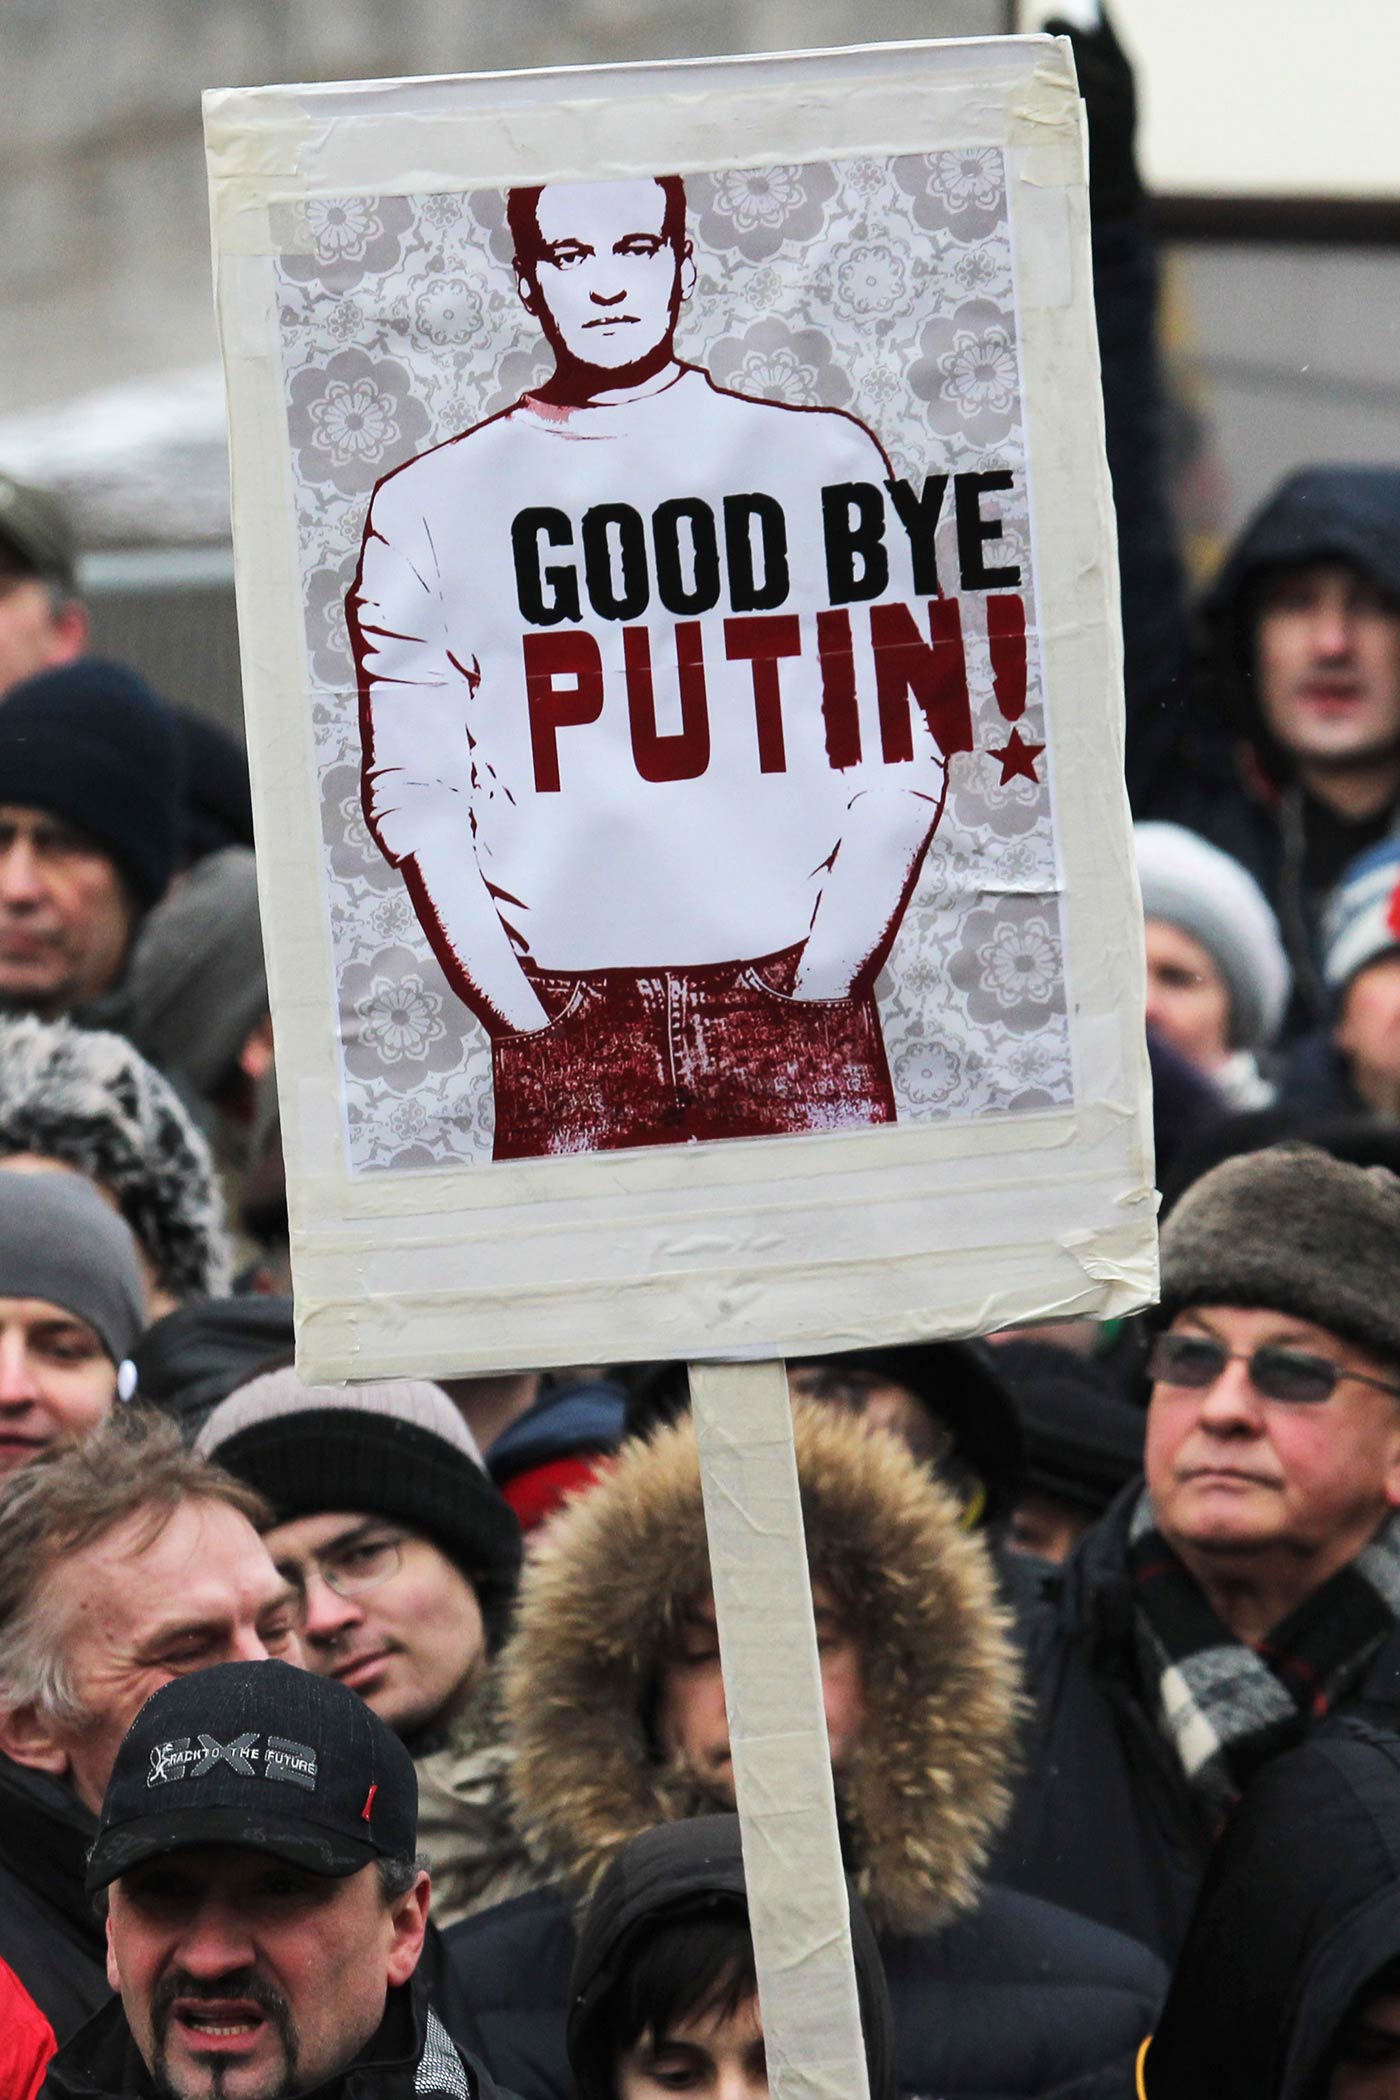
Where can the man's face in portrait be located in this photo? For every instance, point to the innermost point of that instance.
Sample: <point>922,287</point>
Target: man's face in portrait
<point>605,279</point>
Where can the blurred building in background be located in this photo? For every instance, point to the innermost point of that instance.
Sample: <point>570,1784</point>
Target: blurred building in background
<point>1266,139</point>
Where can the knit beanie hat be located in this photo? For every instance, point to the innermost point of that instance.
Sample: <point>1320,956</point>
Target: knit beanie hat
<point>60,1242</point>
<point>1291,1230</point>
<point>394,1448</point>
<point>1193,885</point>
<point>91,743</point>
<point>196,985</point>
<point>1363,914</point>
<point>84,1097</point>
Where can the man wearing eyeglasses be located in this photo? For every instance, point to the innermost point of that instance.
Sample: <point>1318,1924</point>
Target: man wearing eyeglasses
<point>1249,1588</point>
<point>405,1557</point>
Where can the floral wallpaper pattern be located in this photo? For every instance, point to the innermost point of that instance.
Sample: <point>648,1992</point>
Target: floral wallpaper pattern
<point>885,287</point>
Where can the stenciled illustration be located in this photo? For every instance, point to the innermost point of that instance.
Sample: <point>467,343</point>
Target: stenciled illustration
<point>674,680</point>
<point>658,694</point>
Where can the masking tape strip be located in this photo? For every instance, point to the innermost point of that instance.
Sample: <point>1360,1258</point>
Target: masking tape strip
<point>798,1907</point>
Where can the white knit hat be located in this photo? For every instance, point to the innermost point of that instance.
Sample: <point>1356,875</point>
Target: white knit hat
<point>1193,885</point>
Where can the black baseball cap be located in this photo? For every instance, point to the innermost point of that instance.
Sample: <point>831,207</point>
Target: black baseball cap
<point>261,1756</point>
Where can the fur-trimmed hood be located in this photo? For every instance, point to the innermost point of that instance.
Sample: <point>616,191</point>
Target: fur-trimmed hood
<point>925,1792</point>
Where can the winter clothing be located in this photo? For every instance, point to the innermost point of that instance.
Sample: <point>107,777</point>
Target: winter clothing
<point>88,1100</point>
<point>1182,766</point>
<point>556,1447</point>
<point>36,533</point>
<point>465,1828</point>
<point>956,1382</point>
<point>218,809</point>
<point>60,1242</point>
<point>390,1448</point>
<point>409,2057</point>
<point>1300,1910</point>
<point>1105,1820</point>
<point>920,1798</point>
<point>26,2040</point>
<point>683,1870</point>
<point>1226,1708</point>
<point>1193,885</point>
<point>1363,917</point>
<point>1296,1231</point>
<point>196,985</point>
<point>196,1356</point>
<point>90,743</point>
<point>49,1932</point>
<point>1083,1440</point>
<point>1184,1102</point>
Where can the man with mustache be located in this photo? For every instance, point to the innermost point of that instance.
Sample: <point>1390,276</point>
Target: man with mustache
<point>1250,1587</point>
<point>266,1911</point>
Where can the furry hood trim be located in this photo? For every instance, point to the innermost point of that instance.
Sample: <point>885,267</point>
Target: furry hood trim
<point>925,1792</point>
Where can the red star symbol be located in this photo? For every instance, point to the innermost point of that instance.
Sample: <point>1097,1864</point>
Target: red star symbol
<point>1017,758</point>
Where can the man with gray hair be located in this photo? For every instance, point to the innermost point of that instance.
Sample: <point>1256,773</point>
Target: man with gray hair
<point>125,1561</point>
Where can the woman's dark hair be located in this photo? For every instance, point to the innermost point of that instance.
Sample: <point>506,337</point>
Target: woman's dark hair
<point>692,1966</point>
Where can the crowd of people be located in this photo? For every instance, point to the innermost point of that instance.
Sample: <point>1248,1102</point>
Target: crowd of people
<point>371,1740</point>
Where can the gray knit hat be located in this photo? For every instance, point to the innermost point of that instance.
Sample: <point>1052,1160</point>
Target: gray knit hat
<point>196,985</point>
<point>61,1243</point>
<point>1193,885</point>
<point>394,1448</point>
<point>1294,1231</point>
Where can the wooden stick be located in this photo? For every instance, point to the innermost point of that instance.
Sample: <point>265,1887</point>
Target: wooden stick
<point>798,1907</point>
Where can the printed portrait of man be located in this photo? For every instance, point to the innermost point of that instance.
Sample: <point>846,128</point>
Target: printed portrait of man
<point>657,698</point>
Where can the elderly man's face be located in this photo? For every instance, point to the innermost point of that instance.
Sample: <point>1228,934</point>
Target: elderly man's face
<point>384,1611</point>
<point>691,1723</point>
<point>38,629</point>
<point>246,1979</point>
<point>56,1379</point>
<point>66,915</point>
<point>155,1597</point>
<point>1236,1477</point>
<point>606,284</point>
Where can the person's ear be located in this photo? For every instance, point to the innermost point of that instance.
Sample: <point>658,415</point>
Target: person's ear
<point>688,271</point>
<point>409,1914</point>
<point>70,632</point>
<point>113,1975</point>
<point>29,1738</point>
<point>527,291</point>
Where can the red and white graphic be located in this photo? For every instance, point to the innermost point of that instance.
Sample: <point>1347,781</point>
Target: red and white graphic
<point>658,693</point>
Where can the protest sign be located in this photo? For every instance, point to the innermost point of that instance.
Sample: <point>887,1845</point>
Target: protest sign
<point>678,611</point>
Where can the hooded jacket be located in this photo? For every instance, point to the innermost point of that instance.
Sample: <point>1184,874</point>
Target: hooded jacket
<point>1104,1821</point>
<point>678,1871</point>
<point>50,1935</point>
<point>991,1995</point>
<point>409,2057</point>
<point>1293,845</point>
<point>1289,1929</point>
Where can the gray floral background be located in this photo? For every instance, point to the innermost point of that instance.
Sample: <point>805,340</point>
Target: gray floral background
<point>880,286</point>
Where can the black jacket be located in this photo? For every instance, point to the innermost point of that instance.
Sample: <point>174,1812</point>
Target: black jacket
<point>1300,1910</point>
<point>1104,1822</point>
<point>409,2057</point>
<point>49,1932</point>
<point>1012,1999</point>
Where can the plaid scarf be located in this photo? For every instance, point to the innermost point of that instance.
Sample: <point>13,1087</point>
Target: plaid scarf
<point>1225,1707</point>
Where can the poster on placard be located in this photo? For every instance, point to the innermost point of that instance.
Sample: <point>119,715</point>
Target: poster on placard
<point>677,594</point>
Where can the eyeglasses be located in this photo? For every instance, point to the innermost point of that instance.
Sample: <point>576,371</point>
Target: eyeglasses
<point>362,1564</point>
<point>1276,1372</point>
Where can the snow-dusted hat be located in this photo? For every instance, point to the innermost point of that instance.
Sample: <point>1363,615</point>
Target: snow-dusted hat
<point>1363,915</point>
<point>1193,885</point>
<point>394,1448</point>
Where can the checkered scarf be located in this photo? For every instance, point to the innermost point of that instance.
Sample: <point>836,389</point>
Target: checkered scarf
<point>1225,1707</point>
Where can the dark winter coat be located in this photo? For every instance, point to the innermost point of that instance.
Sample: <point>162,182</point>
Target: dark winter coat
<point>409,2057</point>
<point>1104,1822</point>
<point>50,1934</point>
<point>992,1994</point>
<point>1299,1912</point>
<point>1212,765</point>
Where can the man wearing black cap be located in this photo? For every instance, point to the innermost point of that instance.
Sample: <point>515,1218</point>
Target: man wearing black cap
<point>91,781</point>
<point>42,619</point>
<point>266,1913</point>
